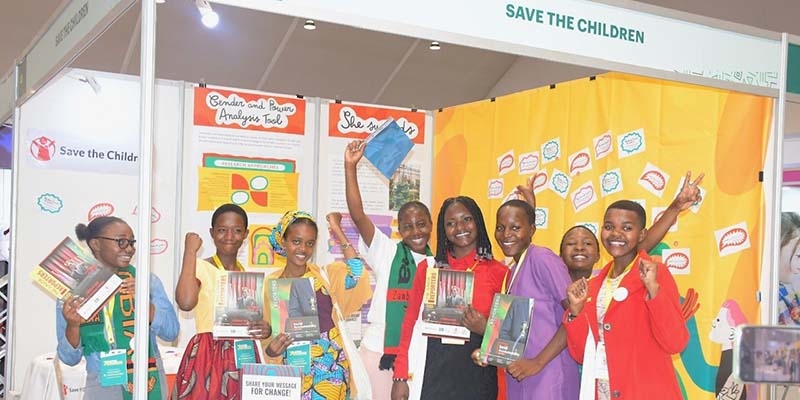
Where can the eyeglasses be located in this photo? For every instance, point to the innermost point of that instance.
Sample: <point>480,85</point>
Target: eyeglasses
<point>123,243</point>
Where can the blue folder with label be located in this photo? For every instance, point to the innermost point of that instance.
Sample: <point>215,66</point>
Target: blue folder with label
<point>387,147</point>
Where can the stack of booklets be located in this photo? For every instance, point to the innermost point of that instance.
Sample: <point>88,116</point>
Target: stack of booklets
<point>70,270</point>
<point>238,301</point>
<point>507,329</point>
<point>294,308</point>
<point>447,295</point>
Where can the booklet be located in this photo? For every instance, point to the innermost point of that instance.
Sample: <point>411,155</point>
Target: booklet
<point>270,382</point>
<point>387,147</point>
<point>238,300</point>
<point>507,329</point>
<point>71,270</point>
<point>294,308</point>
<point>447,294</point>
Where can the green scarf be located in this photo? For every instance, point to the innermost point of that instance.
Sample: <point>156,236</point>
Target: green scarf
<point>94,340</point>
<point>401,277</point>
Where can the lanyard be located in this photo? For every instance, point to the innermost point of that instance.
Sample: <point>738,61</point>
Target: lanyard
<point>221,267</point>
<point>610,285</point>
<point>108,320</point>
<point>516,266</point>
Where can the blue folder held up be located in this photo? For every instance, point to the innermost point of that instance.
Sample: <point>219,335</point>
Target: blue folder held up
<point>387,147</point>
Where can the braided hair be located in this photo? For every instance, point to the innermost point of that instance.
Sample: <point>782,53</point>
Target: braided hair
<point>443,246</point>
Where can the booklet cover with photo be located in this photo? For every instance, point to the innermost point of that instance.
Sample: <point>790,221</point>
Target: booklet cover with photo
<point>387,147</point>
<point>506,329</point>
<point>70,270</point>
<point>294,308</point>
<point>238,300</point>
<point>447,294</point>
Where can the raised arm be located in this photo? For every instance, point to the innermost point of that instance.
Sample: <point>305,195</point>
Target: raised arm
<point>689,194</point>
<point>354,264</point>
<point>188,288</point>
<point>526,191</point>
<point>352,155</point>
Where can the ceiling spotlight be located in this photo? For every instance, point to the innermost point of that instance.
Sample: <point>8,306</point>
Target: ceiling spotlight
<point>310,25</point>
<point>435,46</point>
<point>209,18</point>
<point>161,1</point>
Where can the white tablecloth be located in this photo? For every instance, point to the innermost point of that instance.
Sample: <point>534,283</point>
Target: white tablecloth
<point>41,381</point>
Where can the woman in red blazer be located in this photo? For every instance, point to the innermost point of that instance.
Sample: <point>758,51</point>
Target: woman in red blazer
<point>625,324</point>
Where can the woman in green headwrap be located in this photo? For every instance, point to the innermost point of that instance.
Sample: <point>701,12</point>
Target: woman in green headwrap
<point>295,237</point>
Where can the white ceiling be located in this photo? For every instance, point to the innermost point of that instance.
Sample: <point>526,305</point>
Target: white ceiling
<point>274,53</point>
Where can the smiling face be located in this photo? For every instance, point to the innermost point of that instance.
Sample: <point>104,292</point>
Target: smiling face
<point>621,234</point>
<point>414,226</point>
<point>299,241</point>
<point>514,231</point>
<point>580,250</point>
<point>721,330</point>
<point>229,232</point>
<point>108,251</point>
<point>460,229</point>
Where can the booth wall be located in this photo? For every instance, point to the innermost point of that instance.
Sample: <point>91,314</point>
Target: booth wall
<point>592,142</point>
<point>58,191</point>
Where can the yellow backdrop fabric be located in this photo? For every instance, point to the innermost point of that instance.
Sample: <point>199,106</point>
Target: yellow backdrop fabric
<point>591,142</point>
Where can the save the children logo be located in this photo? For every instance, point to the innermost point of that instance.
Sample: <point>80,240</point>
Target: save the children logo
<point>43,148</point>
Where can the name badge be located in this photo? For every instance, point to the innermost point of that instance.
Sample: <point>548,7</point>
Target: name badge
<point>245,352</point>
<point>113,369</point>
<point>299,355</point>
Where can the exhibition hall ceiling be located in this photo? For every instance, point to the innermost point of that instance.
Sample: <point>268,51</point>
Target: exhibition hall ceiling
<point>274,53</point>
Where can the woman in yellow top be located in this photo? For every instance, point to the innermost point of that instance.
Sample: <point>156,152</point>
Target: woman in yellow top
<point>208,368</point>
<point>339,284</point>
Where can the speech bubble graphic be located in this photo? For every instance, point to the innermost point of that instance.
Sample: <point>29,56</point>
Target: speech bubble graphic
<point>678,261</point>
<point>658,212</point>
<point>732,238</point>
<point>655,179</point>
<point>158,246</point>
<point>560,183</point>
<point>611,182</point>
<point>539,181</point>
<point>100,210</point>
<point>631,143</point>
<point>155,216</point>
<point>551,150</point>
<point>583,197</point>
<point>50,203</point>
<point>542,217</point>
<point>579,162</point>
<point>602,145</point>
<point>505,163</point>
<point>495,188</point>
<point>528,163</point>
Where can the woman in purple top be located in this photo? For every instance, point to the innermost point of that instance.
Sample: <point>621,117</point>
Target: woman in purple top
<point>546,370</point>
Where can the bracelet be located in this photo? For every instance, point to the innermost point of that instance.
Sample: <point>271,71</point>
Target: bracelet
<point>345,246</point>
<point>400,379</point>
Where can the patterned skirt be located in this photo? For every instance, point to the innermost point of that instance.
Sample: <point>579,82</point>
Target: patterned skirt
<point>208,370</point>
<point>330,369</point>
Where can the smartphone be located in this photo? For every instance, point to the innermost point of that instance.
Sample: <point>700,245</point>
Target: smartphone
<point>767,354</point>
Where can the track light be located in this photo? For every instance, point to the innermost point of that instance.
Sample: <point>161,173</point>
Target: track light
<point>435,46</point>
<point>209,18</point>
<point>309,25</point>
<point>161,1</point>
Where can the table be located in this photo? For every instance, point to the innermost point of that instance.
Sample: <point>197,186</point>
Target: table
<point>42,382</point>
